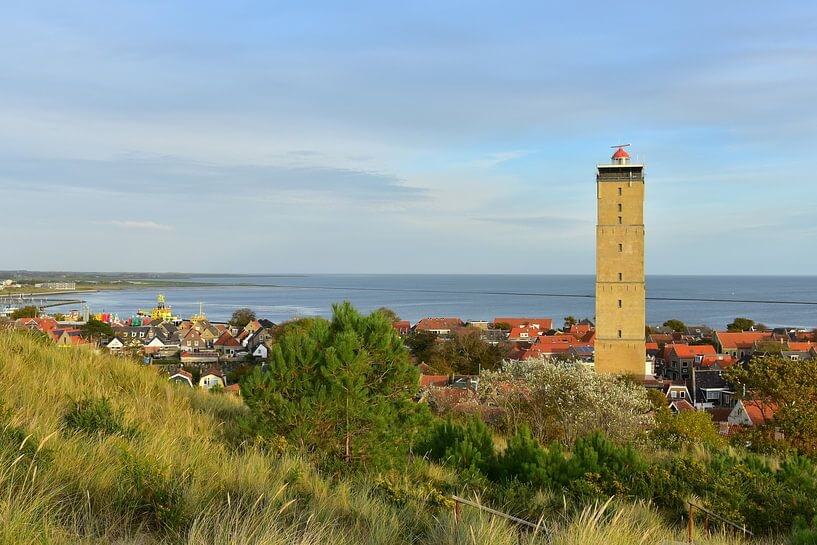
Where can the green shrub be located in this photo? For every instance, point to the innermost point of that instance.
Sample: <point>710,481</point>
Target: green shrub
<point>97,417</point>
<point>469,445</point>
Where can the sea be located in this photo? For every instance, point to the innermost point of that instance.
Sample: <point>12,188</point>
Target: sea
<point>777,301</point>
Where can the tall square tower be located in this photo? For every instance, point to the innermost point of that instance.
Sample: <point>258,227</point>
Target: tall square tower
<point>620,295</point>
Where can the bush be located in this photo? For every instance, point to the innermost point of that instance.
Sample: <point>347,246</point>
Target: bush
<point>469,445</point>
<point>97,417</point>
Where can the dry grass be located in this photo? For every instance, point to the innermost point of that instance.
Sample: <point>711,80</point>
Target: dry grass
<point>60,487</point>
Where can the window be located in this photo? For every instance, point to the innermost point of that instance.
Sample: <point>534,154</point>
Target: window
<point>619,220</point>
<point>619,303</point>
<point>619,191</point>
<point>620,247</point>
<point>674,394</point>
<point>619,333</point>
<point>620,277</point>
<point>619,207</point>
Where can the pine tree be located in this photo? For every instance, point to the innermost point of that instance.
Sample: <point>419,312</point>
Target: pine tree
<point>342,389</point>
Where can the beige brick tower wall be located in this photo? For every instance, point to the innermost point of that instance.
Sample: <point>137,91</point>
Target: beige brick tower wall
<point>620,307</point>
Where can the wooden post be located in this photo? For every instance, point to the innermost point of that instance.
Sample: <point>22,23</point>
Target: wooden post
<point>690,523</point>
<point>457,512</point>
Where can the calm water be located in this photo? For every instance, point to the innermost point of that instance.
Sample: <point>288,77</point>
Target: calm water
<point>280,298</point>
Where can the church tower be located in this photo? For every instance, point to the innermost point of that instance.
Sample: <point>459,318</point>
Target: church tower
<point>620,308</point>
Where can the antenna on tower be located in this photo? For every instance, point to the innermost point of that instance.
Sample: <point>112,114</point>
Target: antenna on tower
<point>621,146</point>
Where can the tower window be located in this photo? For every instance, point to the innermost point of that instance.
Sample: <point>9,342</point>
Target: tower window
<point>619,191</point>
<point>619,303</point>
<point>620,277</point>
<point>620,247</point>
<point>619,333</point>
<point>619,219</point>
<point>619,207</point>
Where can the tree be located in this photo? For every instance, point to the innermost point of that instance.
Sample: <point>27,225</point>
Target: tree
<point>29,311</point>
<point>96,330</point>
<point>422,344</point>
<point>468,354</point>
<point>58,316</point>
<point>504,326</point>
<point>564,401</point>
<point>741,324</point>
<point>341,389</point>
<point>676,325</point>
<point>390,315</point>
<point>242,316</point>
<point>657,399</point>
<point>570,321</point>
<point>687,428</point>
<point>778,382</point>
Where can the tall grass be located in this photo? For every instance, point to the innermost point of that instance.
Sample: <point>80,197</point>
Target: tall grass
<point>179,480</point>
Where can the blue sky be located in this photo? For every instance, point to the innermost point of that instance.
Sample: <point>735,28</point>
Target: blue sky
<point>432,137</point>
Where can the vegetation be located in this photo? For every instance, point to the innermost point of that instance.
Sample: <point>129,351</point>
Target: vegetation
<point>96,330</point>
<point>740,324</point>
<point>464,353</point>
<point>676,325</point>
<point>96,450</point>
<point>787,385</point>
<point>242,316</point>
<point>342,388</point>
<point>29,311</point>
<point>564,401</point>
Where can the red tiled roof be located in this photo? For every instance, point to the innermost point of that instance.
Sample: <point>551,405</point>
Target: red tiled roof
<point>800,346</point>
<point>740,339</point>
<point>433,380</point>
<point>524,332</point>
<point>226,339</point>
<point>429,324</point>
<point>721,360</point>
<point>402,325</point>
<point>690,351</point>
<point>543,323</point>
<point>758,411</point>
<point>682,405</point>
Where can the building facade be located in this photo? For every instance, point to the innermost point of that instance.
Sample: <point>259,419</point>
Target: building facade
<point>620,294</point>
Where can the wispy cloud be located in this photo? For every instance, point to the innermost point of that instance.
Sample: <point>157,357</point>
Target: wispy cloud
<point>170,175</point>
<point>139,225</point>
<point>497,158</point>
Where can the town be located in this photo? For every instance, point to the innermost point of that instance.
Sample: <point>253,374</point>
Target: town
<point>684,362</point>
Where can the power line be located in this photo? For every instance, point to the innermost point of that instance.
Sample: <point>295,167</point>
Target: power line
<point>527,294</point>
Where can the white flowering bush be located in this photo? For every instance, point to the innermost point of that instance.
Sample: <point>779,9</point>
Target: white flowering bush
<point>561,401</point>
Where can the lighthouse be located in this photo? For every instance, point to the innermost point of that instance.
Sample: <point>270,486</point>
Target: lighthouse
<point>620,291</point>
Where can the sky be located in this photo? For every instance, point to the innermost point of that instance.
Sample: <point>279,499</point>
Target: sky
<point>412,137</point>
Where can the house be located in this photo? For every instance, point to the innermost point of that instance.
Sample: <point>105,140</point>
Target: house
<point>674,392</point>
<point>752,412</point>
<point>190,341</point>
<point>402,327</point>
<point>233,389</point>
<point>261,351</point>
<point>262,335</point>
<point>679,358</point>
<point>680,405</point>
<point>227,345</point>
<point>740,344</point>
<point>580,352</point>
<point>213,378</point>
<point>438,381</point>
<point>710,389</point>
<point>115,345</point>
<point>182,377</point>
<point>524,333</point>
<point>542,324</point>
<point>438,326</point>
<point>699,332</point>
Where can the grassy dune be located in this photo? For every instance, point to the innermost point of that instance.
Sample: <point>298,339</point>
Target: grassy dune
<point>175,477</point>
